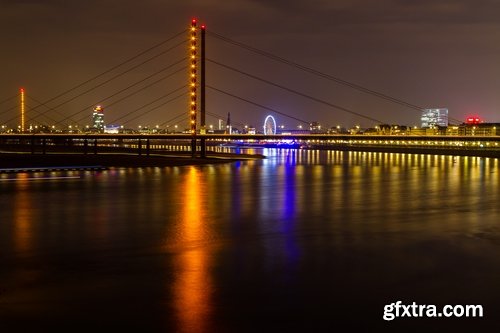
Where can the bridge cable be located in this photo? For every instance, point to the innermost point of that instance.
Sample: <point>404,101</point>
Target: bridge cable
<point>119,65</point>
<point>10,109</point>
<point>313,71</point>
<point>118,75</point>
<point>258,105</point>
<point>133,93</point>
<point>9,99</point>
<point>295,92</point>
<point>218,116</point>
<point>158,106</point>
<point>29,108</point>
<point>319,73</point>
<point>181,115</point>
<point>148,104</point>
<point>105,72</point>
<point>130,86</point>
<point>43,104</point>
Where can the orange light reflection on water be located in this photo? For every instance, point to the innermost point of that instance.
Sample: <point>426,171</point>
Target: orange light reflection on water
<point>193,286</point>
<point>23,217</point>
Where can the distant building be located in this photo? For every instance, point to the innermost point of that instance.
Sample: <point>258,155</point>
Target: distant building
<point>112,129</point>
<point>338,130</point>
<point>434,118</point>
<point>315,128</point>
<point>355,130</point>
<point>479,129</point>
<point>386,129</point>
<point>229,127</point>
<point>98,119</point>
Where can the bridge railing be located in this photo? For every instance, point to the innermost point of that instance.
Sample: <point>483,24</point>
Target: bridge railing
<point>180,143</point>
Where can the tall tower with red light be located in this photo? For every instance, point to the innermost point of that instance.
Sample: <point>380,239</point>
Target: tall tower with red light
<point>98,119</point>
<point>23,119</point>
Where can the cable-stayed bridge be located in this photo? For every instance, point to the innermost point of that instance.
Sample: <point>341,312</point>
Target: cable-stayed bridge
<point>149,87</point>
<point>162,91</point>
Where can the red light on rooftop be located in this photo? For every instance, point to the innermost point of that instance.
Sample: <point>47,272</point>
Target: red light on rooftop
<point>203,27</point>
<point>22,90</point>
<point>193,20</point>
<point>473,120</point>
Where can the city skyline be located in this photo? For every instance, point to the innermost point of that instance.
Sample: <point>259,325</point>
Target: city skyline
<point>430,54</point>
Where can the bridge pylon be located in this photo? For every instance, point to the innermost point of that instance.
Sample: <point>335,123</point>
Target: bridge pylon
<point>203,125</point>
<point>193,96</point>
<point>197,63</point>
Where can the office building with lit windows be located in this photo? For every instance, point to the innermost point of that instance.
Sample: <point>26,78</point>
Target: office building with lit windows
<point>434,118</point>
<point>98,119</point>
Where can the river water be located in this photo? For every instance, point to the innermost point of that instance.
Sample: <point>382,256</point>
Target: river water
<point>303,241</point>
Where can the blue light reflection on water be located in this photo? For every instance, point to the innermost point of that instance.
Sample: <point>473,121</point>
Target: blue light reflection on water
<point>288,209</point>
<point>302,237</point>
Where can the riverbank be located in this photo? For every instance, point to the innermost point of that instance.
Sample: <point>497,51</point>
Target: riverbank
<point>9,161</point>
<point>478,152</point>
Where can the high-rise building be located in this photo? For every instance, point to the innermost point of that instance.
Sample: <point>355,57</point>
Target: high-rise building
<point>98,119</point>
<point>434,118</point>
<point>229,127</point>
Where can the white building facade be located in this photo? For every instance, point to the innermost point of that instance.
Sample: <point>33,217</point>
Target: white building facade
<point>434,118</point>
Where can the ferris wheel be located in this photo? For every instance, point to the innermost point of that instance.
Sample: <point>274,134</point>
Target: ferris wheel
<point>269,125</point>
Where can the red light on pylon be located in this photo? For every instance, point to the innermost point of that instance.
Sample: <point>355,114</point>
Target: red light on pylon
<point>193,20</point>
<point>203,27</point>
<point>22,90</point>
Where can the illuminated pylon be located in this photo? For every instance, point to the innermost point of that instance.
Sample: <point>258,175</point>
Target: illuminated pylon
<point>22,110</point>
<point>202,80</point>
<point>192,77</point>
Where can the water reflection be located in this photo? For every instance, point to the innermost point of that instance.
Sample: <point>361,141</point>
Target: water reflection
<point>231,246</point>
<point>291,193</point>
<point>193,286</point>
<point>23,215</point>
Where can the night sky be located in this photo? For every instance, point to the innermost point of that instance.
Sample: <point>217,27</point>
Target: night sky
<point>429,53</point>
